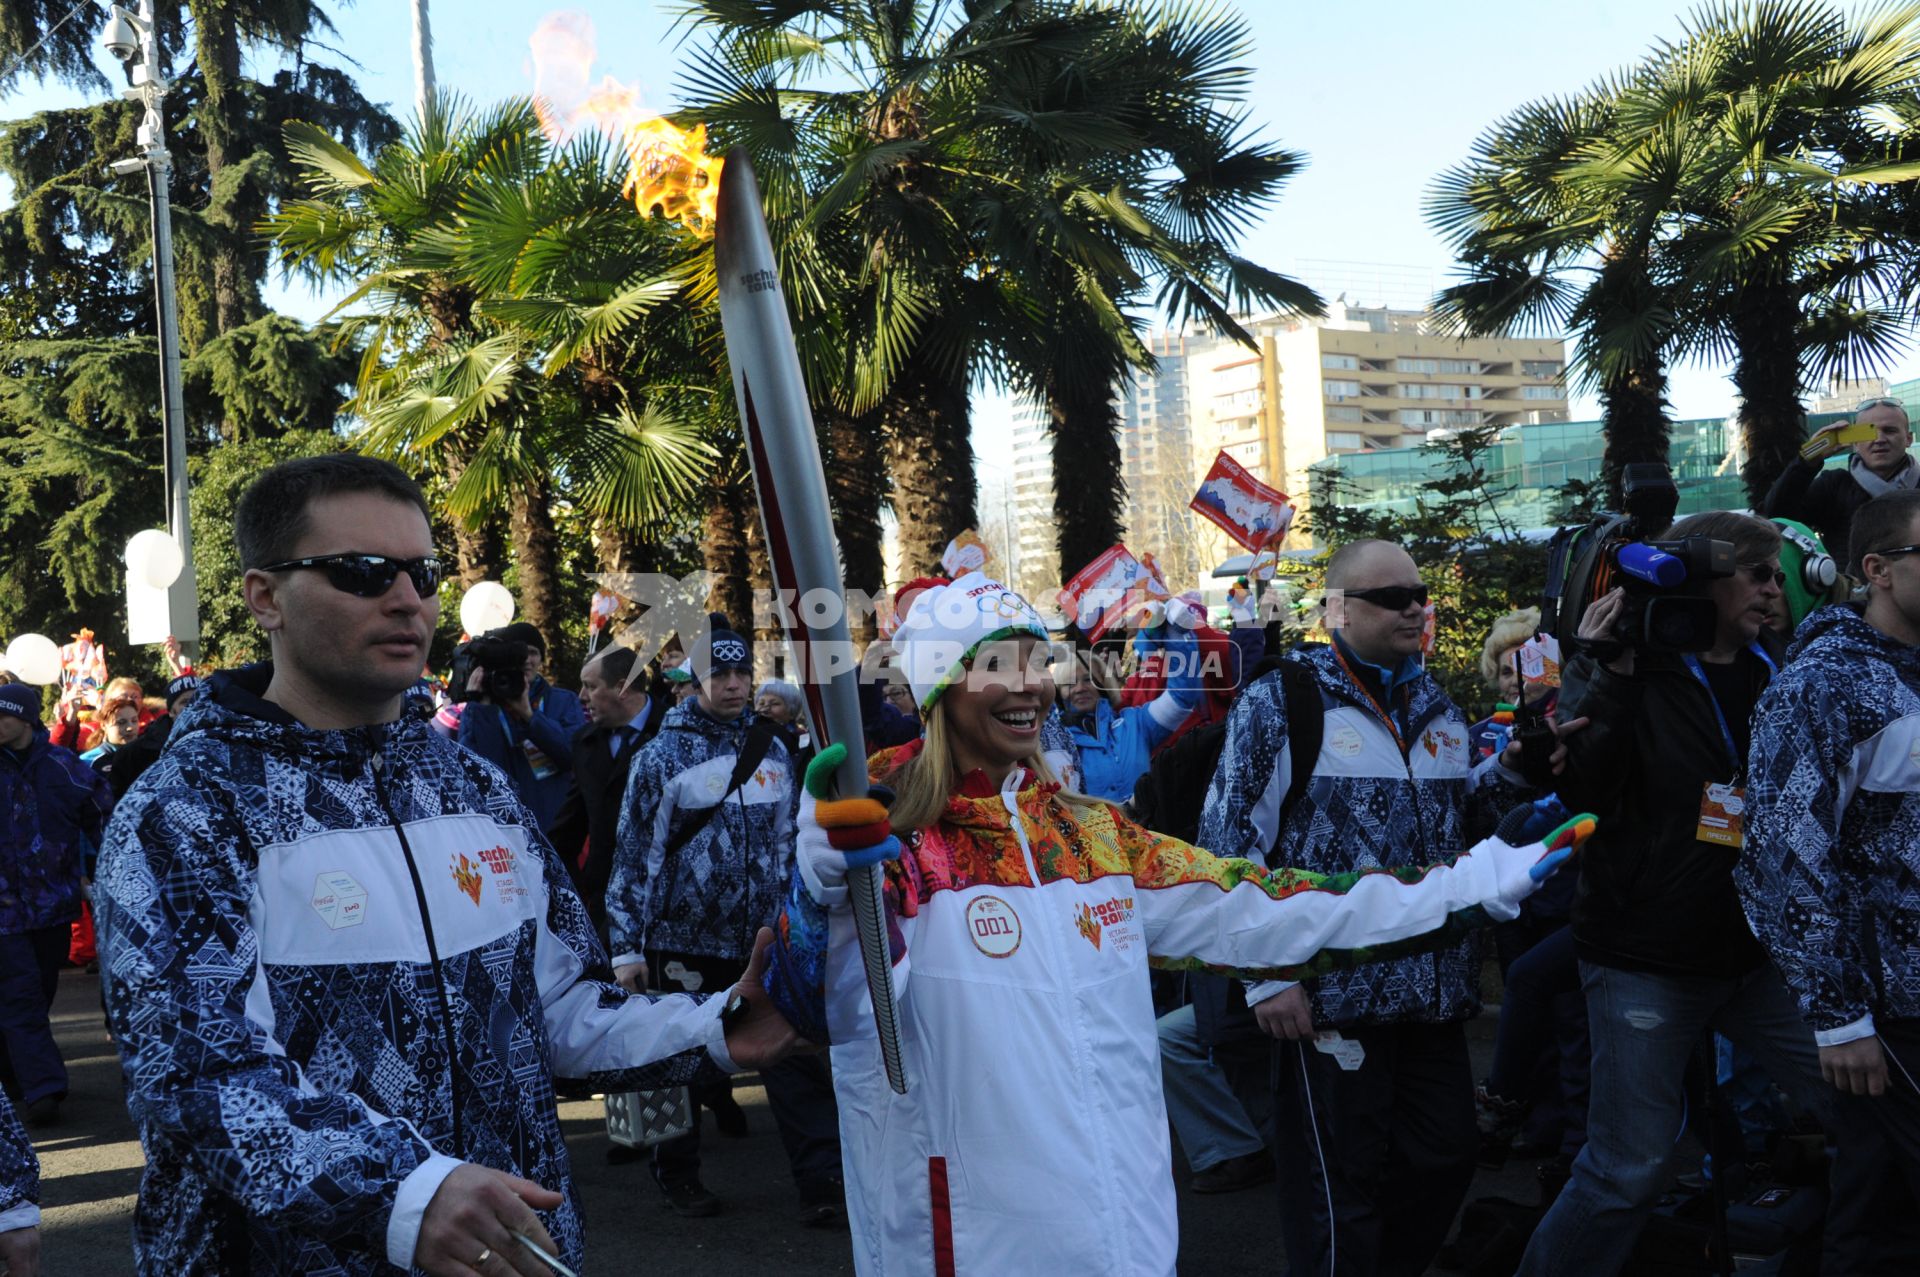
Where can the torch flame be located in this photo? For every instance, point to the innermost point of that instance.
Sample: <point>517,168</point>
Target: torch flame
<point>668,167</point>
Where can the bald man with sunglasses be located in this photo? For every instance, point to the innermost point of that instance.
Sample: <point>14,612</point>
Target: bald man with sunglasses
<point>1375,1134</point>
<point>341,963</point>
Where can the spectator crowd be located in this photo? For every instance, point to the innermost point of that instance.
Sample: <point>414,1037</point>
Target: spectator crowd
<point>1227,890</point>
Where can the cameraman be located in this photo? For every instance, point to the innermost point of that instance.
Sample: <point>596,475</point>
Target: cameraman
<point>529,735</point>
<point>1665,950</point>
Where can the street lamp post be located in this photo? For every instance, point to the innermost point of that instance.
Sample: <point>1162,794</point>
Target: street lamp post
<point>130,38</point>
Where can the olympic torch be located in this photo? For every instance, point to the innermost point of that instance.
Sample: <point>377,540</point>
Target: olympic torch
<point>805,554</point>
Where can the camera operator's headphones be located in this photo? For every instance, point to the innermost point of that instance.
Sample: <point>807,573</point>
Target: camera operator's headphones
<point>1811,580</point>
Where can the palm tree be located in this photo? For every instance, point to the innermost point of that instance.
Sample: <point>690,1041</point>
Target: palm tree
<point>423,93</point>
<point>511,290</point>
<point>983,189</point>
<point>1146,176</point>
<point>1786,266</point>
<point>1554,229</point>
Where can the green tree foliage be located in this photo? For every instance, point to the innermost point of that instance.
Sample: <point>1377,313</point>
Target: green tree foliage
<point>1731,197</point>
<point>531,341</point>
<point>970,190</point>
<point>79,368</point>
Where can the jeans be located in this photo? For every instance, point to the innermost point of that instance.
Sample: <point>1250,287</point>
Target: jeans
<point>1389,1147</point>
<point>30,961</point>
<point>1644,1027</point>
<point>1209,1119</point>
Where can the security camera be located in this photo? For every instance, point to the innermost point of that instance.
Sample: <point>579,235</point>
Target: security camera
<point>122,36</point>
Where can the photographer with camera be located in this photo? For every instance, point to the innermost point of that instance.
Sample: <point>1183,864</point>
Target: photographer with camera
<point>518,721</point>
<point>1826,500</point>
<point>1665,950</point>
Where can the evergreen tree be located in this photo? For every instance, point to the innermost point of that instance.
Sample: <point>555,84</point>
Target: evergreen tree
<point>80,430</point>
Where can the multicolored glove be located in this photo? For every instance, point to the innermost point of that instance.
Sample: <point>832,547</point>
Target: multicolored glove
<point>1546,821</point>
<point>837,835</point>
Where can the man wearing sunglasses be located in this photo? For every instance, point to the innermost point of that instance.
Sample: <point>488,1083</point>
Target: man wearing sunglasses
<point>1378,1126</point>
<point>342,965</point>
<point>1828,878</point>
<point>1666,953</point>
<point>1825,500</point>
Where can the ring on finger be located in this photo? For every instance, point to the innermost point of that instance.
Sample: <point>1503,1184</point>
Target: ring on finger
<point>486,1253</point>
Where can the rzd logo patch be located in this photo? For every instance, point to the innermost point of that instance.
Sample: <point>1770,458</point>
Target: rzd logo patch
<point>466,875</point>
<point>993,926</point>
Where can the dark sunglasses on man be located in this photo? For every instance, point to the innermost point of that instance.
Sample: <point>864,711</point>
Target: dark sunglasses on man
<point>1761,573</point>
<point>1394,598</point>
<point>368,576</point>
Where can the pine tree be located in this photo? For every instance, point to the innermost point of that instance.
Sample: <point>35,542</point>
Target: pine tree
<point>80,431</point>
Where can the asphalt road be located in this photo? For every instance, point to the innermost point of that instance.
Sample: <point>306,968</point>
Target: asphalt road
<point>91,1161</point>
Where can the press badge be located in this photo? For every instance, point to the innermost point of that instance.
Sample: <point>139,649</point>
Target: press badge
<point>1723,815</point>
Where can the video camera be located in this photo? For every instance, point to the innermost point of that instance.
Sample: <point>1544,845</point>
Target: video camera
<point>1664,611</point>
<point>504,661</point>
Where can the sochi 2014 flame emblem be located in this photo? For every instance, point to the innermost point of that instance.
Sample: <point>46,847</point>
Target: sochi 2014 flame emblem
<point>466,875</point>
<point>1089,926</point>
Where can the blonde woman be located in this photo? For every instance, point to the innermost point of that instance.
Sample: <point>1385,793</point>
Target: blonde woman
<point>1033,1136</point>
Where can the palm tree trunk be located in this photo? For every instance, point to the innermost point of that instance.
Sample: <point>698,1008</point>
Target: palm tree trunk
<point>1089,487</point>
<point>765,622</point>
<point>856,484</point>
<point>537,547</point>
<point>930,459</point>
<point>723,542</point>
<point>477,551</point>
<point>1766,371</point>
<point>1633,407</point>
<point>422,60</point>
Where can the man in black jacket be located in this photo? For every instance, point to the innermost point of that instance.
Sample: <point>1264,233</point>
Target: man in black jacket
<point>622,717</point>
<point>1665,950</point>
<point>1825,500</point>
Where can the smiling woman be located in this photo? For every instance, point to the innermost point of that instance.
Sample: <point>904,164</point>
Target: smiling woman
<point>1023,918</point>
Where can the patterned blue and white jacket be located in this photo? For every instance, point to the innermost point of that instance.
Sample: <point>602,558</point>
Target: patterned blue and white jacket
<point>338,964</point>
<point>731,878</point>
<point>19,1173</point>
<point>51,808</point>
<point>1830,876</point>
<point>1370,805</point>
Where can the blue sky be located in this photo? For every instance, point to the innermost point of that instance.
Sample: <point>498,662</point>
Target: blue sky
<point>1380,97</point>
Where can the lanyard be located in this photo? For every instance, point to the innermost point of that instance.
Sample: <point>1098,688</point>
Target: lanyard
<point>1372,700</point>
<point>1720,716</point>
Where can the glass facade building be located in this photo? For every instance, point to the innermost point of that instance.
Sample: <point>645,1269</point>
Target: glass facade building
<point>1530,467</point>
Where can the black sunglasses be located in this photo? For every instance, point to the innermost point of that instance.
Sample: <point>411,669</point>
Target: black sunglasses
<point>1760,574</point>
<point>1394,598</point>
<point>1895,552</point>
<point>368,575</point>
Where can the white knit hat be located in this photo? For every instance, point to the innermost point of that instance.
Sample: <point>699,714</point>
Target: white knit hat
<point>947,624</point>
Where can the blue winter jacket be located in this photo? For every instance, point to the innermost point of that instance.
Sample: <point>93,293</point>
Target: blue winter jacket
<point>537,755</point>
<point>1116,749</point>
<point>1370,805</point>
<point>1830,876</point>
<point>52,807</point>
<point>19,1173</point>
<point>337,964</point>
<point>730,878</point>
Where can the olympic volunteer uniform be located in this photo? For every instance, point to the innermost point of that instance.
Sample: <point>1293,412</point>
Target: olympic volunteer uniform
<point>1033,1136</point>
<point>337,964</point>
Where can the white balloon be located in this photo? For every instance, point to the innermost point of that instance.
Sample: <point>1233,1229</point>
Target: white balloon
<point>34,658</point>
<point>487,605</point>
<point>154,558</point>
